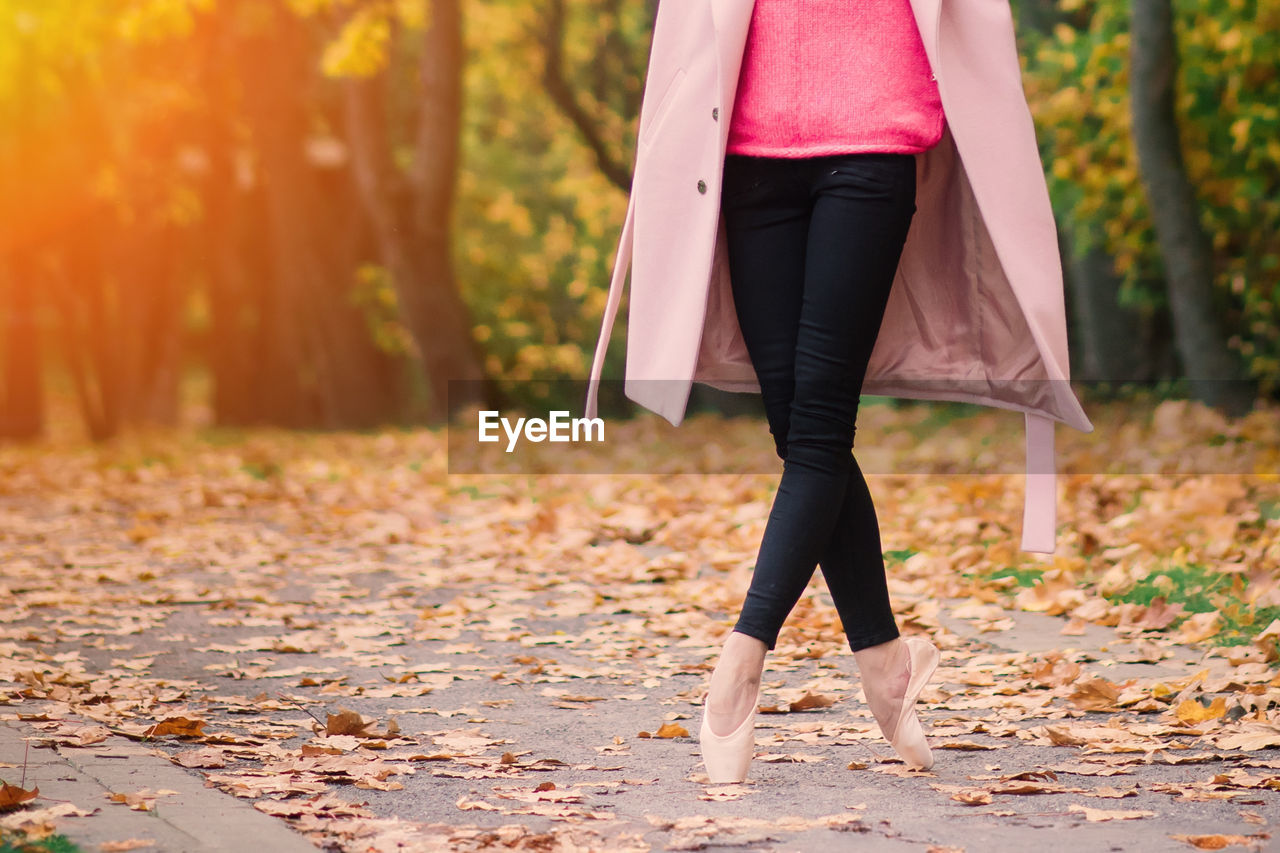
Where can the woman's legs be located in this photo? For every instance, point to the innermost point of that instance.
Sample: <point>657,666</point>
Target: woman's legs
<point>853,567</point>
<point>776,228</point>
<point>814,246</point>
<point>859,210</point>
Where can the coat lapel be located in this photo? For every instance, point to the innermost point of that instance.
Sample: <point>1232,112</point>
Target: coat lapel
<point>731,19</point>
<point>928,18</point>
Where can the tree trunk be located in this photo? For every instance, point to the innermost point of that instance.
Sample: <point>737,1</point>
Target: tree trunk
<point>411,212</point>
<point>76,289</point>
<point>230,347</point>
<point>366,376</point>
<point>311,308</point>
<point>1102,331</point>
<point>1215,374</point>
<point>255,379</point>
<point>21,354</point>
<point>280,395</point>
<point>141,322</point>
<point>21,401</point>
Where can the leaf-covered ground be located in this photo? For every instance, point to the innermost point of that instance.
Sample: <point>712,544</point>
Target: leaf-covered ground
<point>393,658</point>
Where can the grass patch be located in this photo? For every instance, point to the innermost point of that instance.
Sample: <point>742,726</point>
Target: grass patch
<point>1241,623</point>
<point>1200,590</point>
<point>941,414</point>
<point>263,470</point>
<point>18,843</point>
<point>1191,586</point>
<point>1196,588</point>
<point>1269,510</point>
<point>1021,576</point>
<point>474,492</point>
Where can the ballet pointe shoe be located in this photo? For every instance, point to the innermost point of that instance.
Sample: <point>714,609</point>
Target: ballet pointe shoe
<point>907,737</point>
<point>728,757</point>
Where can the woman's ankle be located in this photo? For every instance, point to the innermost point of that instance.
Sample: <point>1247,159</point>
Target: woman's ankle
<point>745,652</point>
<point>735,683</point>
<point>886,657</point>
<point>741,661</point>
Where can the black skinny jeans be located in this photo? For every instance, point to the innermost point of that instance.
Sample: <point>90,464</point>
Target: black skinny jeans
<point>814,245</point>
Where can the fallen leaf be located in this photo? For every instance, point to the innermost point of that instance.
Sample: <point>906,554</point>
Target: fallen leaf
<point>1190,711</point>
<point>126,844</point>
<point>966,745</point>
<point>346,722</point>
<point>724,793</point>
<point>1217,842</point>
<point>1096,694</point>
<point>11,796</point>
<point>811,701</point>
<point>1103,814</point>
<point>180,726</point>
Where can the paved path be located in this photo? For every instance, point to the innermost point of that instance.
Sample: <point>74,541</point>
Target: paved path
<point>646,793</point>
<point>193,819</point>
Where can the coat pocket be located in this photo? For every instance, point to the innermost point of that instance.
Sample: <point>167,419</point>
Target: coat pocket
<point>883,169</point>
<point>650,125</point>
<point>745,177</point>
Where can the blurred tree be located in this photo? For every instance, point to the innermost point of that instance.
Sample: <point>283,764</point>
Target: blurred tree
<point>181,159</point>
<point>406,166</point>
<point>311,268</point>
<point>249,344</point>
<point>1102,331</point>
<point>1213,370</point>
<point>1223,95</point>
<point>593,98</point>
<point>21,400</point>
<point>74,246</point>
<point>542,191</point>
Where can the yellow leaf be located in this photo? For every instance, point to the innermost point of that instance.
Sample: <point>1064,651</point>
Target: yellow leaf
<point>669,730</point>
<point>1190,711</point>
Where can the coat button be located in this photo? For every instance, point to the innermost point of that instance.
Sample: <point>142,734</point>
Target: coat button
<point>702,187</point>
<point>715,113</point>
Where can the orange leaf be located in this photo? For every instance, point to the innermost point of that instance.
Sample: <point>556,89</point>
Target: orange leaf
<point>1160,614</point>
<point>11,796</point>
<point>181,726</point>
<point>126,844</point>
<point>1096,694</point>
<point>346,722</point>
<point>1215,842</point>
<point>812,700</point>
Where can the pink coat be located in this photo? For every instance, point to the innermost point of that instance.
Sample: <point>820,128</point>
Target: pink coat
<point>976,312</point>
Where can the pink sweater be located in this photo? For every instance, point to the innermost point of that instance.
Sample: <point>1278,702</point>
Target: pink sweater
<point>834,77</point>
